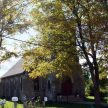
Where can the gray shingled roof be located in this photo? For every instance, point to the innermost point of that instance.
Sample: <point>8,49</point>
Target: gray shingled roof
<point>15,70</point>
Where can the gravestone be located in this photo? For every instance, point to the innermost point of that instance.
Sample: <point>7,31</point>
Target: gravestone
<point>44,101</point>
<point>15,100</point>
<point>24,100</point>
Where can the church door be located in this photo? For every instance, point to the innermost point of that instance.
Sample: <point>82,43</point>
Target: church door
<point>66,87</point>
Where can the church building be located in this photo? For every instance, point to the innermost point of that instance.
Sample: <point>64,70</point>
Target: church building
<point>16,82</point>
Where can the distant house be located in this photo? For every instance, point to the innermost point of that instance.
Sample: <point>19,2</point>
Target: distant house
<point>16,82</point>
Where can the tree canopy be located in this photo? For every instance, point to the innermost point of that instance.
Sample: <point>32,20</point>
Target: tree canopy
<point>57,50</point>
<point>69,30</point>
<point>12,20</point>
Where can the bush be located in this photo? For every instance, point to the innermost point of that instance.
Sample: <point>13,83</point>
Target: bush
<point>103,93</point>
<point>89,89</point>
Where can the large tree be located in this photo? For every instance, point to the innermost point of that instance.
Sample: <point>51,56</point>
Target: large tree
<point>57,50</point>
<point>12,20</point>
<point>91,19</point>
<point>69,28</point>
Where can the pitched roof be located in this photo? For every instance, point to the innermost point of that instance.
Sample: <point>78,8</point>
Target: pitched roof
<point>15,70</point>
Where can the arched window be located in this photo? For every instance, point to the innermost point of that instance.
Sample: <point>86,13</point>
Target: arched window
<point>36,84</point>
<point>21,83</point>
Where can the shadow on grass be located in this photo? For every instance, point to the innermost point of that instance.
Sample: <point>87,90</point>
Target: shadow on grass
<point>67,105</point>
<point>71,105</point>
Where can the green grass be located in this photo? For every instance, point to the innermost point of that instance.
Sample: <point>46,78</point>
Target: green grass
<point>11,105</point>
<point>91,99</point>
<point>71,105</point>
<point>106,99</point>
<point>56,105</point>
<point>67,105</point>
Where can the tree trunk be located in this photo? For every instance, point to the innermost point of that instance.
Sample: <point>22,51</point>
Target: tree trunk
<point>0,40</point>
<point>93,67</point>
<point>95,79</point>
<point>97,94</point>
<point>96,82</point>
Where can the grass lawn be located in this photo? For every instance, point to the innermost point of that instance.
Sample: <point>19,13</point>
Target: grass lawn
<point>91,99</point>
<point>65,105</point>
<point>56,105</point>
<point>11,105</point>
<point>106,99</point>
<point>71,105</point>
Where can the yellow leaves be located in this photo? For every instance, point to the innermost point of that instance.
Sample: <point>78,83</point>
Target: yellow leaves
<point>57,31</point>
<point>58,75</point>
<point>34,74</point>
<point>38,62</point>
<point>42,69</point>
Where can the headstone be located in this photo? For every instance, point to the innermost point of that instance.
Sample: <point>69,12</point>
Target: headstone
<point>24,100</point>
<point>44,101</point>
<point>15,100</point>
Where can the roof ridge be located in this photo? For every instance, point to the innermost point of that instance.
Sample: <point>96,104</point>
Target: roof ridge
<point>15,70</point>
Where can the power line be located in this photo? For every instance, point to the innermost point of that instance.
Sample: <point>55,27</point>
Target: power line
<point>31,42</point>
<point>21,40</point>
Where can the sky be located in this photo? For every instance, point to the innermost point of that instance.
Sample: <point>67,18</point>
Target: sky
<point>15,45</point>
<point>10,44</point>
